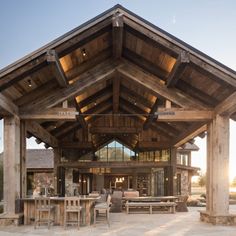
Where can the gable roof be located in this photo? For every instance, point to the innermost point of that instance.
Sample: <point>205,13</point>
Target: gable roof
<point>118,63</point>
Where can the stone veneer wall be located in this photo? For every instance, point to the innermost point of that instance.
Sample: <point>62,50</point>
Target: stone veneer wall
<point>184,182</point>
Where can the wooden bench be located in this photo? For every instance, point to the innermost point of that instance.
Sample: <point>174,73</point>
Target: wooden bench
<point>170,206</point>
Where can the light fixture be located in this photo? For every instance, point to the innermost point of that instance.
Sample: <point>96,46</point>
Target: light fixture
<point>135,103</point>
<point>95,103</point>
<point>84,52</point>
<point>29,83</point>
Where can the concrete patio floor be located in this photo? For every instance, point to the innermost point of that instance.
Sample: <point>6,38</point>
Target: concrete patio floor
<point>179,224</point>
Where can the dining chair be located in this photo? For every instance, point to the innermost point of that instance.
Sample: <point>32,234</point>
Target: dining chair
<point>72,207</point>
<point>103,209</point>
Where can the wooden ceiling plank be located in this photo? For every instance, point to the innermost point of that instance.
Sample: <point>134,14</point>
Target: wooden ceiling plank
<point>178,69</point>
<point>39,132</point>
<point>117,35</point>
<point>56,67</point>
<point>116,93</point>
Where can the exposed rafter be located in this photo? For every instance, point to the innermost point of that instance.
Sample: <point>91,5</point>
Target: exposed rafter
<point>78,117</point>
<point>178,69</point>
<point>56,67</point>
<point>117,34</point>
<point>151,116</point>
<point>152,83</point>
<point>42,134</point>
<point>98,74</point>
<point>116,93</point>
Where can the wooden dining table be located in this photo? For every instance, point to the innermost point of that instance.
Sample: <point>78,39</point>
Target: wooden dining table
<point>87,204</point>
<point>151,199</point>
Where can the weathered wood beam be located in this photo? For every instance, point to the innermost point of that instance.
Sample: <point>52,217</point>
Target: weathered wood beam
<point>178,114</point>
<point>101,93</point>
<point>196,93</point>
<point>145,64</point>
<point>228,106</point>
<point>154,85</point>
<point>39,132</point>
<point>115,130</point>
<point>62,133</point>
<point>56,67</point>
<point>77,145</point>
<point>7,106</point>
<point>117,34</point>
<point>151,116</point>
<point>51,114</point>
<point>98,108</point>
<point>78,117</point>
<point>189,133</point>
<point>116,93</point>
<point>96,75</point>
<point>178,69</point>
<point>132,96</point>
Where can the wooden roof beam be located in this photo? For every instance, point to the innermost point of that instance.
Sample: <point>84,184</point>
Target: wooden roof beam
<point>228,106</point>
<point>80,118</point>
<point>154,85</point>
<point>132,95</point>
<point>95,96</point>
<point>117,34</point>
<point>189,133</point>
<point>96,75</point>
<point>115,130</point>
<point>77,145</point>
<point>56,67</point>
<point>42,134</point>
<point>178,69</point>
<point>151,116</point>
<point>116,93</point>
<point>8,107</point>
<point>51,114</point>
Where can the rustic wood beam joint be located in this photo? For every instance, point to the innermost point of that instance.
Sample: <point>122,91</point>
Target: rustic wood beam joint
<point>7,106</point>
<point>54,62</point>
<point>178,69</point>
<point>39,132</point>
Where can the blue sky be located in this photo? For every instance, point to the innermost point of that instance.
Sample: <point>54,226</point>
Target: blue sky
<point>208,25</point>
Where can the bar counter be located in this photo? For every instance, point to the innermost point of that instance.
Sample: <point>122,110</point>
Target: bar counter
<point>87,204</point>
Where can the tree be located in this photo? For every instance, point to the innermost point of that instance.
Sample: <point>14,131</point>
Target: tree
<point>202,180</point>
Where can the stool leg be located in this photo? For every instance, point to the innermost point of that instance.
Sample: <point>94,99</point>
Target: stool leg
<point>95,214</point>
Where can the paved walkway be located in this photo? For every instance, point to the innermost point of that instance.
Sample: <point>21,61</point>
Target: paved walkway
<point>179,224</point>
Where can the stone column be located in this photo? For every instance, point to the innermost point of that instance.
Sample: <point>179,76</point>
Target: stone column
<point>11,165</point>
<point>217,208</point>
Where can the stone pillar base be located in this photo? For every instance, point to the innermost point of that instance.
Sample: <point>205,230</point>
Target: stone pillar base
<point>11,219</point>
<point>229,219</point>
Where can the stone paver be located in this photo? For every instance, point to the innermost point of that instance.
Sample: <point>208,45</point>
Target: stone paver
<point>179,224</point>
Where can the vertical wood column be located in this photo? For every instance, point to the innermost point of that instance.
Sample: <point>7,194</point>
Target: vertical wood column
<point>218,166</point>
<point>57,158</point>
<point>23,170</point>
<point>171,173</point>
<point>11,163</point>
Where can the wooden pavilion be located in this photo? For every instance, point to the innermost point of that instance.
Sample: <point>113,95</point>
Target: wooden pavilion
<point>118,77</point>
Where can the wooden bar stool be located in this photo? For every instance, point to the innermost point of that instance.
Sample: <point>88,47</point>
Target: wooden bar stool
<point>103,208</point>
<point>43,211</point>
<point>71,205</point>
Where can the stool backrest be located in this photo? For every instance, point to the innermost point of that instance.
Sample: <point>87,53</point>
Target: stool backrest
<point>42,202</point>
<point>72,203</point>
